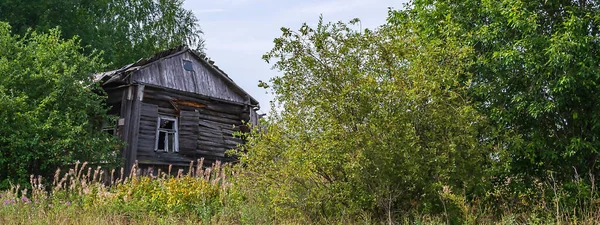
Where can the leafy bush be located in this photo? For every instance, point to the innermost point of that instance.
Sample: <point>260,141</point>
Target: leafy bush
<point>534,76</point>
<point>50,109</point>
<point>368,121</point>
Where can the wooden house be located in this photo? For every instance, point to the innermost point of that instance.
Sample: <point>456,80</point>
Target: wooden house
<point>176,107</point>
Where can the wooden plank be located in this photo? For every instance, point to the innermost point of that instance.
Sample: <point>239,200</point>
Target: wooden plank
<point>165,159</point>
<point>217,105</point>
<point>125,115</point>
<point>210,134</point>
<point>147,129</point>
<point>147,121</point>
<point>228,115</point>
<point>168,72</point>
<point>167,111</point>
<point>220,119</point>
<point>253,117</point>
<point>147,139</point>
<point>236,141</point>
<point>135,119</point>
<point>209,124</point>
<point>208,153</point>
<point>149,110</point>
<point>222,145</point>
<point>188,132</point>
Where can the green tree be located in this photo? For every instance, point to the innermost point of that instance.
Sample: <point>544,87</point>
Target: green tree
<point>535,75</point>
<point>124,30</point>
<point>50,112</point>
<point>367,121</point>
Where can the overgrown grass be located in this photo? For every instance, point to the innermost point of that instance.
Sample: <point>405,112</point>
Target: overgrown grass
<point>86,196</point>
<point>214,196</point>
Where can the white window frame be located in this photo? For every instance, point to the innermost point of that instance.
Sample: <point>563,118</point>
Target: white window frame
<point>175,133</point>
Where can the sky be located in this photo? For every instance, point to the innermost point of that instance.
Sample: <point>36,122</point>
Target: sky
<point>238,32</point>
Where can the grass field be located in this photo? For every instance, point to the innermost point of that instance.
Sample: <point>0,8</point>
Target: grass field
<point>210,196</point>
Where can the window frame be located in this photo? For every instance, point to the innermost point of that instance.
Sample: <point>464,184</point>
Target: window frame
<point>110,126</point>
<point>175,133</point>
<point>189,68</point>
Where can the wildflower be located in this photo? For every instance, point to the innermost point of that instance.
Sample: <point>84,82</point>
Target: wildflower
<point>68,203</point>
<point>6,202</point>
<point>25,199</point>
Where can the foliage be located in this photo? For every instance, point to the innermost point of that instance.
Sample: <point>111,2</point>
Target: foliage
<point>200,195</point>
<point>124,30</point>
<point>384,120</point>
<point>50,112</point>
<point>82,192</point>
<point>535,75</point>
<point>369,120</point>
<point>470,111</point>
<point>213,196</point>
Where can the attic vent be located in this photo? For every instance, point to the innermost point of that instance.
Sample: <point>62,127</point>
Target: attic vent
<point>187,65</point>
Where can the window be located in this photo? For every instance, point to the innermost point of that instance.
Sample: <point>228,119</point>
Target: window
<point>187,65</point>
<point>166,135</point>
<point>109,126</point>
<point>110,130</point>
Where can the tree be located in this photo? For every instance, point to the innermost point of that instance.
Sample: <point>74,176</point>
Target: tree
<point>445,97</point>
<point>124,30</point>
<point>50,112</point>
<point>535,75</point>
<point>375,121</point>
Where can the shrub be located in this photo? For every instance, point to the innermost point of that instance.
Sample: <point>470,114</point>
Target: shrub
<point>50,110</point>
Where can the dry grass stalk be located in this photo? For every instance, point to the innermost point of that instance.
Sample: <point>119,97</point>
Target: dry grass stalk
<point>199,167</point>
<point>112,177</point>
<point>150,173</point>
<point>80,172</point>
<point>190,171</point>
<point>89,173</point>
<point>77,165</point>
<point>207,173</point>
<point>56,177</point>
<point>122,172</point>
<point>96,173</point>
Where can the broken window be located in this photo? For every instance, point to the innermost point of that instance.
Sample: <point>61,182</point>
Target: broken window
<point>166,135</point>
<point>109,126</point>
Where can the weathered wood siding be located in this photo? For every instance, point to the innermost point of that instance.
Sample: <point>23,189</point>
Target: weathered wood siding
<point>206,127</point>
<point>169,72</point>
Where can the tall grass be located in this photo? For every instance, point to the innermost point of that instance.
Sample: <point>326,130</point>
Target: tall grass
<point>85,195</point>
<point>213,195</point>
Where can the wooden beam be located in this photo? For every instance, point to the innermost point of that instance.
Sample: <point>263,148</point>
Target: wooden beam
<point>124,133</point>
<point>135,96</point>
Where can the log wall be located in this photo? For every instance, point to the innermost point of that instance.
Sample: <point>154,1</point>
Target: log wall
<point>205,127</point>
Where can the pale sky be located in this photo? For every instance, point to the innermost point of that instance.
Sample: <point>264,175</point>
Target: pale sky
<point>239,32</point>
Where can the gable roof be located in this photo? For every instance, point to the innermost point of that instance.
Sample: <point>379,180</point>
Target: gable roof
<point>121,74</point>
